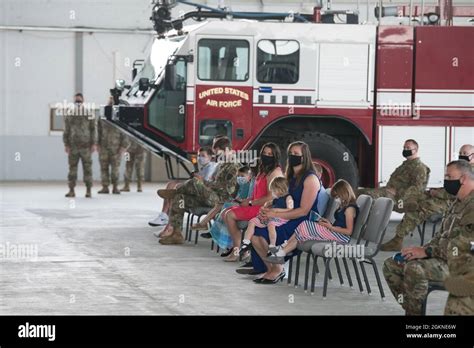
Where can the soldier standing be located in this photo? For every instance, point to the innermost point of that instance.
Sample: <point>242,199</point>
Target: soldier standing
<point>80,141</point>
<point>134,158</point>
<point>447,254</point>
<point>112,144</point>
<point>197,192</point>
<point>405,186</point>
<point>434,201</point>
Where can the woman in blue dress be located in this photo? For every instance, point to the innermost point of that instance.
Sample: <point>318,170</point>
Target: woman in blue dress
<point>304,187</point>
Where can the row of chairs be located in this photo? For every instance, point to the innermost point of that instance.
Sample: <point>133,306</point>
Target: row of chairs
<point>369,230</point>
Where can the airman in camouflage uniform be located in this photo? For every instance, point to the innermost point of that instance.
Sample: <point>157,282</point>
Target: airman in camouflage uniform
<point>406,186</point>
<point>195,192</point>
<point>435,201</point>
<point>135,158</point>
<point>80,140</point>
<point>447,254</point>
<point>112,143</point>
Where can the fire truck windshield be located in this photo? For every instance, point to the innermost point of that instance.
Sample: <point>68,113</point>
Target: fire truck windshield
<point>154,66</point>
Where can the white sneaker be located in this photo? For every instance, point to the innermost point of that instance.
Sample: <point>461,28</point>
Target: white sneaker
<point>161,220</point>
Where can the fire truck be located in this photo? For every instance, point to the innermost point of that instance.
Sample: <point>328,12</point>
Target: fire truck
<point>282,77</point>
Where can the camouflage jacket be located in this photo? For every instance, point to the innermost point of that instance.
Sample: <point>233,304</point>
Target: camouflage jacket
<point>224,182</point>
<point>452,243</point>
<point>111,138</point>
<point>79,131</point>
<point>410,174</point>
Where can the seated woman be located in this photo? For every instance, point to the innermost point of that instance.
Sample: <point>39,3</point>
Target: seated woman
<point>304,187</point>
<point>322,230</point>
<point>269,168</point>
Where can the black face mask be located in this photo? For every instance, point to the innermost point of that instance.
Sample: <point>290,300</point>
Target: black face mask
<point>295,160</point>
<point>462,157</point>
<point>267,160</point>
<point>407,153</point>
<point>452,186</point>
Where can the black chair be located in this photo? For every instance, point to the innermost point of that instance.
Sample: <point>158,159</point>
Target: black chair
<point>435,219</point>
<point>198,212</point>
<point>432,286</point>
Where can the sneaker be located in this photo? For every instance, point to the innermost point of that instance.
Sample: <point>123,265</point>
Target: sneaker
<point>161,220</point>
<point>274,249</point>
<point>275,259</point>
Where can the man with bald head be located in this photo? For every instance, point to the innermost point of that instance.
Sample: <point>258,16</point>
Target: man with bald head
<point>434,201</point>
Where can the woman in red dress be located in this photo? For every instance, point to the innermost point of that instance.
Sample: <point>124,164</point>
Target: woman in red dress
<point>269,168</point>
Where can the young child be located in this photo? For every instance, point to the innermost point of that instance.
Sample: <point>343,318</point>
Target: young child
<point>340,231</point>
<point>282,202</point>
<point>243,180</point>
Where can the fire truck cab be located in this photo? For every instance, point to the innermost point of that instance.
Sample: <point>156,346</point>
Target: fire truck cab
<point>326,84</point>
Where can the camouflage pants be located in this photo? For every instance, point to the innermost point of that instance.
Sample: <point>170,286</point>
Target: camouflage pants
<point>427,206</point>
<point>410,195</point>
<point>109,159</point>
<point>459,305</point>
<point>135,160</point>
<point>192,194</point>
<point>409,282</point>
<point>84,154</point>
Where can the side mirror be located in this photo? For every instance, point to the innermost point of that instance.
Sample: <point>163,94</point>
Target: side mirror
<point>143,84</point>
<point>120,84</point>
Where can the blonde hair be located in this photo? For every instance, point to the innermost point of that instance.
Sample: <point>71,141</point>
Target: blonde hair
<point>319,169</point>
<point>279,184</point>
<point>344,191</point>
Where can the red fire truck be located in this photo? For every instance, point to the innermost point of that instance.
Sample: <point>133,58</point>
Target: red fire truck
<point>259,77</point>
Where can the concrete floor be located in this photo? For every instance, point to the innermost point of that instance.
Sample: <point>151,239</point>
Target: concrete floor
<point>99,256</point>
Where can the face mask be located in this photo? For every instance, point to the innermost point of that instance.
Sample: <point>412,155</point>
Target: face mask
<point>241,180</point>
<point>452,186</point>
<point>203,161</point>
<point>407,153</point>
<point>295,160</point>
<point>267,160</point>
<point>466,158</point>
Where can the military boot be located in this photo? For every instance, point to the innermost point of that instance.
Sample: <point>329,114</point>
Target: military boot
<point>139,186</point>
<point>167,193</point>
<point>105,189</point>
<point>115,190</point>
<point>71,192</point>
<point>126,187</point>
<point>175,238</point>
<point>88,192</point>
<point>395,244</point>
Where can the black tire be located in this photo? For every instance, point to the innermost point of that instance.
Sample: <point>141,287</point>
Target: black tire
<point>335,153</point>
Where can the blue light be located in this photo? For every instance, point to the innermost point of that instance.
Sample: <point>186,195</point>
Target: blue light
<point>265,89</point>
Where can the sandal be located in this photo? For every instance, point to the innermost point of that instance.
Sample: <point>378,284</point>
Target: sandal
<point>233,256</point>
<point>199,226</point>
<point>245,247</point>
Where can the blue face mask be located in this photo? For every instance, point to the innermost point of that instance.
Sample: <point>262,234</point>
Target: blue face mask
<point>242,180</point>
<point>202,161</point>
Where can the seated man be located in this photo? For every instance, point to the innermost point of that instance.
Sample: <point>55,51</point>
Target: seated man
<point>207,169</point>
<point>197,193</point>
<point>436,200</point>
<point>447,254</point>
<point>406,184</point>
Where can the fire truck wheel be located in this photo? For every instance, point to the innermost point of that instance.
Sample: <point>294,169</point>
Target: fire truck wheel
<point>334,157</point>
